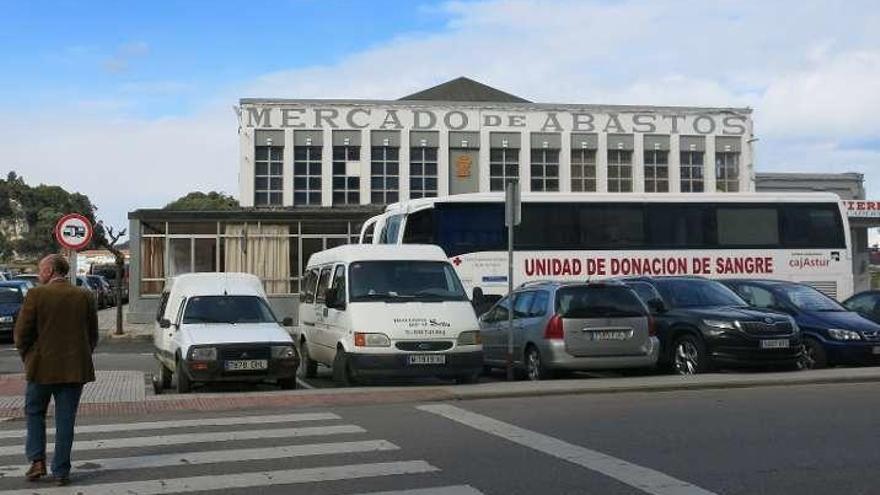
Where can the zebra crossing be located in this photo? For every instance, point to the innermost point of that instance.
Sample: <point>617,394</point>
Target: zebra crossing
<point>264,453</point>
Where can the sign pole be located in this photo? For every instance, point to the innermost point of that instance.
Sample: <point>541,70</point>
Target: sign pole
<point>512,217</point>
<point>71,260</point>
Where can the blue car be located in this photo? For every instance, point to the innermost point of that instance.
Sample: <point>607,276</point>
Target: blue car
<point>832,333</point>
<point>11,298</point>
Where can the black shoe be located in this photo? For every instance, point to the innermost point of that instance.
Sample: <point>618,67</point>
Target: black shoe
<point>62,480</point>
<point>36,471</point>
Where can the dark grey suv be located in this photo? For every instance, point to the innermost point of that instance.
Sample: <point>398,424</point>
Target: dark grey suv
<point>570,326</point>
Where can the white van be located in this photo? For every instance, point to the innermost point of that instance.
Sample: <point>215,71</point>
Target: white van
<point>385,310</point>
<point>214,327</point>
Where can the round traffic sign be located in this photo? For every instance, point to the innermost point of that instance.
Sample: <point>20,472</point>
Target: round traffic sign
<point>73,231</point>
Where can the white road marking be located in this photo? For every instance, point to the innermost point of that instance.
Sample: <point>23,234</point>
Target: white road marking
<point>188,423</point>
<point>215,457</point>
<point>241,480</point>
<point>189,438</point>
<point>439,490</point>
<point>645,479</point>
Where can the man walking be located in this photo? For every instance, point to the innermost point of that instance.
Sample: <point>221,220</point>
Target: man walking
<point>56,333</point>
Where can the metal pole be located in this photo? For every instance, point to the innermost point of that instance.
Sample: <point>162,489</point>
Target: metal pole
<point>71,260</point>
<point>511,194</point>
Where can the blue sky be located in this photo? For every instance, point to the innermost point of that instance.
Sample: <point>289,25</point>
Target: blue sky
<point>140,94</point>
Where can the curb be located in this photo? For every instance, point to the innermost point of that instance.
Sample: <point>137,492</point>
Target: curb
<point>218,402</point>
<point>108,335</point>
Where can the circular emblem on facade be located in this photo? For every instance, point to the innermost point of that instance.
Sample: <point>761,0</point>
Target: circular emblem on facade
<point>463,166</point>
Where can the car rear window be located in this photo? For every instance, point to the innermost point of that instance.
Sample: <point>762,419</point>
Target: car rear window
<point>598,302</point>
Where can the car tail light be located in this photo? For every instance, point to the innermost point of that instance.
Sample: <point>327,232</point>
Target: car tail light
<point>554,330</point>
<point>652,326</point>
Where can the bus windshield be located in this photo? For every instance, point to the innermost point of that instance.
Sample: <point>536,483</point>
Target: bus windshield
<point>404,280</point>
<point>227,309</point>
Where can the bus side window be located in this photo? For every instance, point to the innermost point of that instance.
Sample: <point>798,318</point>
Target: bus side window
<point>368,234</point>
<point>390,230</point>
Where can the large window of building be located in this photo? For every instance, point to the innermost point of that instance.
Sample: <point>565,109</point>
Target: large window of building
<point>692,171</point>
<point>727,171</point>
<point>583,170</point>
<point>503,166</point>
<point>268,175</point>
<point>620,171</point>
<point>385,174</point>
<point>545,169</point>
<point>422,172</point>
<point>656,171</point>
<point>346,175</point>
<point>307,175</point>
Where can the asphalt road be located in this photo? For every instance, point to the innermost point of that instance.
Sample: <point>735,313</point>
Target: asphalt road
<point>798,440</point>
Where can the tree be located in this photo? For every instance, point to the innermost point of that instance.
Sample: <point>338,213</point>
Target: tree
<point>199,201</point>
<point>108,239</point>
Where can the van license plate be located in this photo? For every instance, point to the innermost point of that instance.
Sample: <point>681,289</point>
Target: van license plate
<point>775,344</point>
<point>426,359</point>
<point>247,365</point>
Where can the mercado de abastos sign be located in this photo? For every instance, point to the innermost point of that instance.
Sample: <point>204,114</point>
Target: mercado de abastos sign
<point>665,121</point>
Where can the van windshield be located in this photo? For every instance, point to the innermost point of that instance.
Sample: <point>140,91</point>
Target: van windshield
<point>227,309</point>
<point>402,281</point>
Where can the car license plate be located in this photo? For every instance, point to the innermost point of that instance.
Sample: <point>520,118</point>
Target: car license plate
<point>247,365</point>
<point>610,335</point>
<point>877,349</point>
<point>775,344</point>
<point>426,359</point>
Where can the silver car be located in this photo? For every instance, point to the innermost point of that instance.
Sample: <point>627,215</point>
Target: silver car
<point>570,326</point>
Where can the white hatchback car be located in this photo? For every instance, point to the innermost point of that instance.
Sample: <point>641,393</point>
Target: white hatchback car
<point>218,327</point>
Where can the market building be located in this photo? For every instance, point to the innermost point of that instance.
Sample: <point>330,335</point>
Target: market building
<point>311,172</point>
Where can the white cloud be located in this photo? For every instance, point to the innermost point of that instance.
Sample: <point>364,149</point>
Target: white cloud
<point>810,69</point>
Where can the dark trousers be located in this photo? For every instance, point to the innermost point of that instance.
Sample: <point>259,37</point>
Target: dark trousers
<point>36,404</point>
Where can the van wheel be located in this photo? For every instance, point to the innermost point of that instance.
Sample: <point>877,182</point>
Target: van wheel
<point>287,383</point>
<point>307,364</point>
<point>164,376</point>
<point>814,356</point>
<point>184,385</point>
<point>535,369</point>
<point>689,356</point>
<point>342,374</point>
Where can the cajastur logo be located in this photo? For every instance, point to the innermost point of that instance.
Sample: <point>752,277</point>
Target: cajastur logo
<point>811,261</point>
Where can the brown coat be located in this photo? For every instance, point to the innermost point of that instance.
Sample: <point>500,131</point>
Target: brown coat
<point>56,333</point>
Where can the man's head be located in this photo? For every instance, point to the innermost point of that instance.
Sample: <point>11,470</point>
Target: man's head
<point>53,266</point>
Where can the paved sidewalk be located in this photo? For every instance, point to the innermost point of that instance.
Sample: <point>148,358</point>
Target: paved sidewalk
<point>110,387</point>
<point>131,331</point>
<point>116,393</point>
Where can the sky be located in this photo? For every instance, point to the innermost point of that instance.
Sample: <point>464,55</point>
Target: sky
<point>132,102</point>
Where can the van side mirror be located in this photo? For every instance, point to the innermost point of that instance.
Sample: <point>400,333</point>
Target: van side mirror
<point>164,323</point>
<point>657,306</point>
<point>287,322</point>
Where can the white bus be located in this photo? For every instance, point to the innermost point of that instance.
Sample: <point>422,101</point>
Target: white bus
<point>801,237</point>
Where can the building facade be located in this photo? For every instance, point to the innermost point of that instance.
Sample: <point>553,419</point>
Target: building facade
<point>337,152</point>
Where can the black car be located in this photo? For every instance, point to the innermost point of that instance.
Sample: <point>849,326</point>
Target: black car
<point>702,325</point>
<point>866,304</point>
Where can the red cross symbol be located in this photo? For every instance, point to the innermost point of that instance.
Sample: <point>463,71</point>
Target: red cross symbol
<point>456,261</point>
